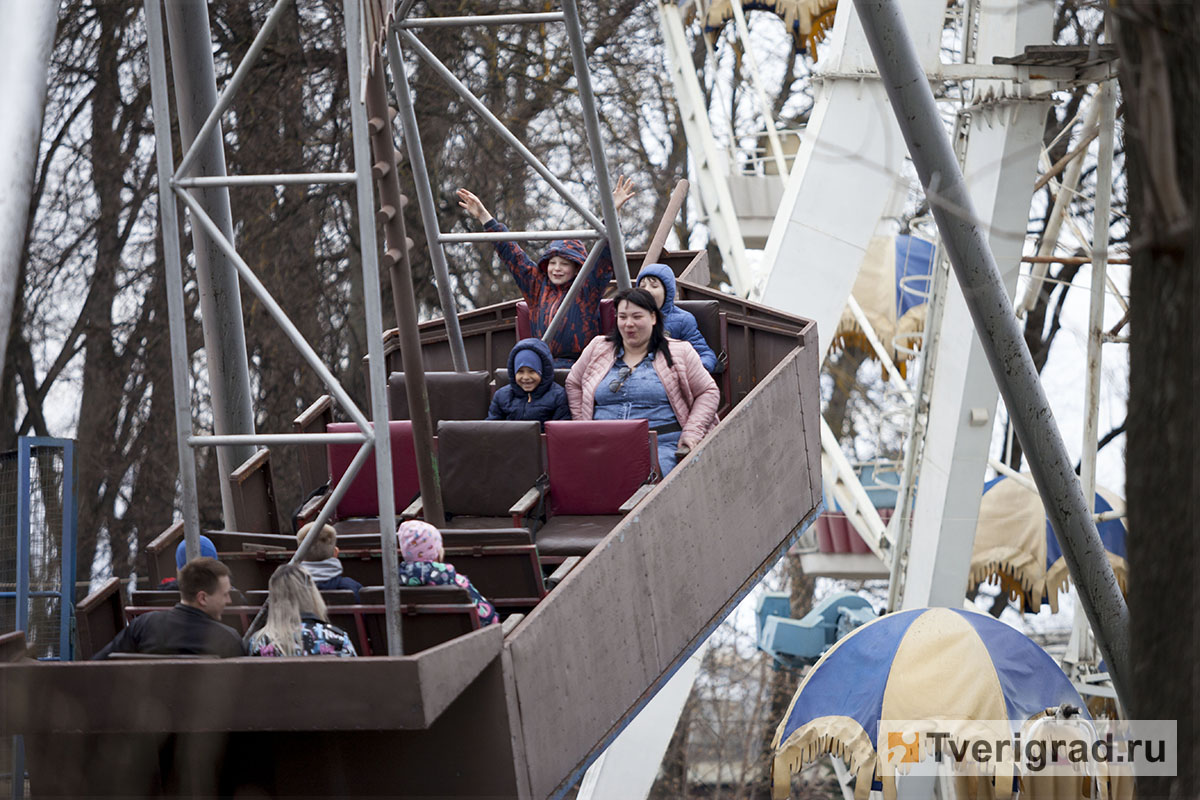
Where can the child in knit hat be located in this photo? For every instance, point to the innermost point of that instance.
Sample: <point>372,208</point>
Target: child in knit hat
<point>207,550</point>
<point>545,284</point>
<point>422,551</point>
<point>531,393</point>
<point>322,563</point>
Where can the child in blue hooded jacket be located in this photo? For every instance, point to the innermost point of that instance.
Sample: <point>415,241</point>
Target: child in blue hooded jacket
<point>544,284</point>
<point>531,393</point>
<point>659,281</point>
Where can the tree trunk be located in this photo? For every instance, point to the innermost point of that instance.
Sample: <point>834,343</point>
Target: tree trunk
<point>1160,81</point>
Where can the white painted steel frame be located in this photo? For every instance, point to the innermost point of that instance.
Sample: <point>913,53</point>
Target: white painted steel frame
<point>991,312</point>
<point>710,166</point>
<point>27,37</point>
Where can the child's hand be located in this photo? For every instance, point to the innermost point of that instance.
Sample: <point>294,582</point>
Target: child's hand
<point>473,206</point>
<point>623,191</point>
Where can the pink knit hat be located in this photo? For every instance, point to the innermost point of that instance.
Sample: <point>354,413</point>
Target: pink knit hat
<point>419,541</point>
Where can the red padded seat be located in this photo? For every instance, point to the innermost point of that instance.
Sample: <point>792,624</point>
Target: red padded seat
<point>361,499</point>
<point>596,465</point>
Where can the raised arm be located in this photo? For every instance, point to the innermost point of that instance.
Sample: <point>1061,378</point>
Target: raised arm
<point>473,205</point>
<point>519,264</point>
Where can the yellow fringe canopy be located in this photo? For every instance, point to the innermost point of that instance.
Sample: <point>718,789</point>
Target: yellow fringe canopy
<point>808,21</point>
<point>1012,540</point>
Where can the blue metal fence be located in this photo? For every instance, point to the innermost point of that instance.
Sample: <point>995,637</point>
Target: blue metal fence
<point>39,553</point>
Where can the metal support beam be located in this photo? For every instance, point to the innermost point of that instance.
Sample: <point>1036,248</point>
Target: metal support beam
<point>998,148</point>
<point>220,297</point>
<point>659,240</point>
<point>378,367</point>
<point>439,69</point>
<point>1079,648</point>
<point>168,212</point>
<point>844,179</point>
<point>28,39</point>
<point>710,165</point>
<point>1095,341</point>
<point>482,19</point>
<point>520,236</point>
<point>917,114</point>
<point>302,179</point>
<point>416,160</point>
<point>591,123</point>
<point>202,220</point>
<point>212,119</point>
<point>568,300</point>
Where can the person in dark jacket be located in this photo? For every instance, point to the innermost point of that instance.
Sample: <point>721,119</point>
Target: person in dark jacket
<point>659,281</point>
<point>192,627</point>
<point>322,563</point>
<point>531,392</point>
<point>545,284</point>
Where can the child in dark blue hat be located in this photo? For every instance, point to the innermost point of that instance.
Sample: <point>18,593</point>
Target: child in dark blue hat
<point>531,393</point>
<point>207,550</point>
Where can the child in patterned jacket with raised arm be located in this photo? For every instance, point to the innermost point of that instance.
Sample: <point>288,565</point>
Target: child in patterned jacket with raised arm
<point>545,283</point>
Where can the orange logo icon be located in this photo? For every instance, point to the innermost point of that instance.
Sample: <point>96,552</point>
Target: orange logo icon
<point>903,748</point>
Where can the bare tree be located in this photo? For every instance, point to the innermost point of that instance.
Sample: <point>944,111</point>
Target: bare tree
<point>1160,80</point>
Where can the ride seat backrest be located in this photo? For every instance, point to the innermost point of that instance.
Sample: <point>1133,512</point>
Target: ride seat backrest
<point>596,465</point>
<point>160,554</point>
<point>508,574</point>
<point>361,499</point>
<point>253,492</point>
<point>99,617</point>
<point>487,466</point>
<point>416,595</point>
<point>608,318</point>
<point>314,463</point>
<point>452,395</point>
<point>240,541</point>
<point>154,597</point>
<point>332,597</point>
<point>422,626</point>
<point>560,377</point>
<point>708,320</point>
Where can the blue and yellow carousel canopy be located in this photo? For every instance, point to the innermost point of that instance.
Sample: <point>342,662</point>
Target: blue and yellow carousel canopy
<point>921,664</point>
<point>891,288</point>
<point>1015,544</point>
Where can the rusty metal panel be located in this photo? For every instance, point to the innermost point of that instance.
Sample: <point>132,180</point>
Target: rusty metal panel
<point>595,650</point>
<point>242,694</point>
<point>726,524</point>
<point>465,753</point>
<point>572,657</point>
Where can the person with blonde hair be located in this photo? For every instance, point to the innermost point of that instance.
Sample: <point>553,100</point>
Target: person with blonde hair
<point>297,622</point>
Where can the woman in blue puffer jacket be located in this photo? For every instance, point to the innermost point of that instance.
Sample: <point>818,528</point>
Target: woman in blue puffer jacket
<point>531,392</point>
<point>659,281</point>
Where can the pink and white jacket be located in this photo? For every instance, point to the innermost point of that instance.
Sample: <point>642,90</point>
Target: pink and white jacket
<point>692,392</point>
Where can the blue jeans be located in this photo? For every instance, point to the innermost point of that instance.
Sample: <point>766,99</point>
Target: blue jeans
<point>639,394</point>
